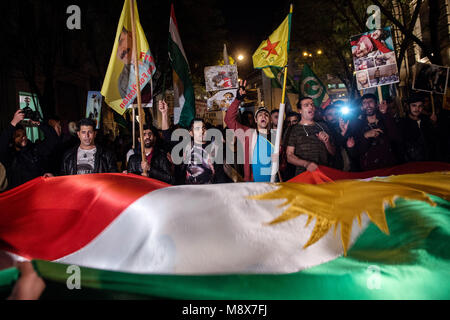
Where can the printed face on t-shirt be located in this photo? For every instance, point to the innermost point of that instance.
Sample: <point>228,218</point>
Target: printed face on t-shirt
<point>85,160</point>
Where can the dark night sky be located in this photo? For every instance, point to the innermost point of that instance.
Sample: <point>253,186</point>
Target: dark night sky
<point>251,22</point>
<point>40,34</point>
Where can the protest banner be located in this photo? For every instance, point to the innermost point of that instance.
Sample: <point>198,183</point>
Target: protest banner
<point>29,103</point>
<point>374,58</point>
<point>221,100</point>
<point>94,107</point>
<point>221,77</point>
<point>214,117</point>
<point>120,87</point>
<point>430,78</point>
<point>200,108</point>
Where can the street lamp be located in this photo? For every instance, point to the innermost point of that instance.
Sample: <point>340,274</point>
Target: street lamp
<point>319,52</point>
<point>240,57</point>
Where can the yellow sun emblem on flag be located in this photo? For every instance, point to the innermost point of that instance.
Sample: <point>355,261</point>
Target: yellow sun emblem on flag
<point>339,203</point>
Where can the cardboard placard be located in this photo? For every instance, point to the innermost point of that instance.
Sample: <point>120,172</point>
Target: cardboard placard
<point>430,78</point>
<point>374,59</point>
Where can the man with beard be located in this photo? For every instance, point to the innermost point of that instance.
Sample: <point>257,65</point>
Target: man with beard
<point>418,131</point>
<point>156,163</point>
<point>274,118</point>
<point>309,144</point>
<point>376,134</point>
<point>341,135</point>
<point>23,159</point>
<point>88,157</point>
<point>258,149</point>
<point>362,79</point>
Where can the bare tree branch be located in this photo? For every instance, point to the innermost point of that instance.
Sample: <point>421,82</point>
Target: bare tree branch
<point>426,49</point>
<point>361,24</point>
<point>407,39</point>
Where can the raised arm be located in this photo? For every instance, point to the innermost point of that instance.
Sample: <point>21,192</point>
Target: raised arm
<point>231,117</point>
<point>164,109</point>
<point>7,134</point>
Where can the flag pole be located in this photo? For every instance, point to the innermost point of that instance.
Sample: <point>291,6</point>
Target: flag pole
<point>433,111</point>
<point>380,94</point>
<point>276,151</point>
<point>138,85</point>
<point>133,118</point>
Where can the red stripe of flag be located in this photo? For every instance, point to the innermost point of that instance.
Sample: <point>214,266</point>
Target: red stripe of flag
<point>58,216</point>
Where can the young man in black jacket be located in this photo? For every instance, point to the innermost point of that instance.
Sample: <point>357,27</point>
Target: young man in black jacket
<point>419,132</point>
<point>156,164</point>
<point>376,135</point>
<point>88,157</point>
<point>23,159</point>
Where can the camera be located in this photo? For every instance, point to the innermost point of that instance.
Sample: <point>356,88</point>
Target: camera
<point>30,114</point>
<point>345,112</point>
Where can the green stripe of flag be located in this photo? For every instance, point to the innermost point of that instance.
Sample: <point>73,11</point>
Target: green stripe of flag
<point>413,262</point>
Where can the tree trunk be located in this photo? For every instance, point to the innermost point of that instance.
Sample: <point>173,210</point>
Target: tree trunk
<point>435,13</point>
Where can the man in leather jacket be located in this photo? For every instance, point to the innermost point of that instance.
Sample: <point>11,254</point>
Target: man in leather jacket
<point>88,157</point>
<point>156,165</point>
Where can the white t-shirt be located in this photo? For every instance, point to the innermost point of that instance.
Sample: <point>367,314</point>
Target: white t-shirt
<point>129,154</point>
<point>85,161</point>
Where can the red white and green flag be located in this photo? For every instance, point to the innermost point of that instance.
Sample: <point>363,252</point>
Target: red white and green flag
<point>325,235</point>
<point>184,98</point>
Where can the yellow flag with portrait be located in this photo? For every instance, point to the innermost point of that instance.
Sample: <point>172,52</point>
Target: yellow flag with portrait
<point>119,86</point>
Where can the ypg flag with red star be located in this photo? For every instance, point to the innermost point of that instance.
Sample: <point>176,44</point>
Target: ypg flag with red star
<point>274,50</point>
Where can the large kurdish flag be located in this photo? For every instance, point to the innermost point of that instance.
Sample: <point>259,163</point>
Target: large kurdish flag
<point>324,235</point>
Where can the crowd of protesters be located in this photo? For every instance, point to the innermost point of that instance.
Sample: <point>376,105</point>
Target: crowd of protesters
<point>371,136</point>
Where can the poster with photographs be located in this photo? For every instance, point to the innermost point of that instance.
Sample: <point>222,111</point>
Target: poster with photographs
<point>430,78</point>
<point>221,77</point>
<point>29,103</point>
<point>214,117</point>
<point>374,58</point>
<point>146,97</point>
<point>221,100</point>
<point>94,107</point>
